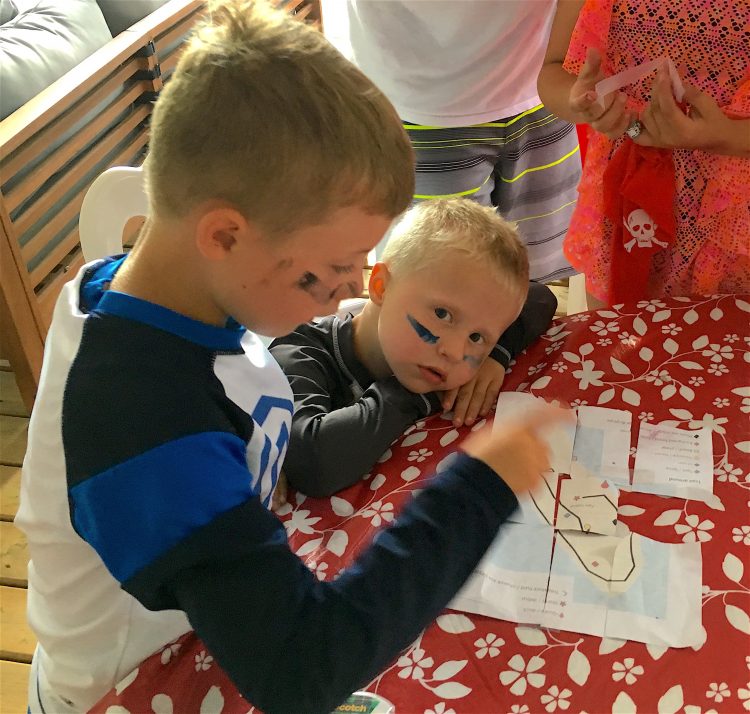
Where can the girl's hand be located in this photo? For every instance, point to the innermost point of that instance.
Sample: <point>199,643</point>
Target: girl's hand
<point>475,398</point>
<point>613,119</point>
<point>665,125</point>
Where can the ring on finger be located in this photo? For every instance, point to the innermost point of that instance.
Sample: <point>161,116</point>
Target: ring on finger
<point>635,129</point>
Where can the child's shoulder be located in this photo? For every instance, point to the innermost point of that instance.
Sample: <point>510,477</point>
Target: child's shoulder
<point>321,333</point>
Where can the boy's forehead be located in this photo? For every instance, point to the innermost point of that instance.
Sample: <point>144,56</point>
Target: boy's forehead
<point>347,234</point>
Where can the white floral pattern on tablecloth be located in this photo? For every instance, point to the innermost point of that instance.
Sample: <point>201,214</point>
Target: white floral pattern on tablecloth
<point>675,361</point>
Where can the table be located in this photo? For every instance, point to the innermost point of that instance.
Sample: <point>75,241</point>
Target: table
<point>682,360</point>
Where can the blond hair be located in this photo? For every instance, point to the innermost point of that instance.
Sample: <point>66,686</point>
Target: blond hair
<point>263,112</point>
<point>441,229</point>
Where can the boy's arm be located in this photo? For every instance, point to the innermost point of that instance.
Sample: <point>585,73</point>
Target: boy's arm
<point>535,317</point>
<point>332,448</point>
<point>291,643</point>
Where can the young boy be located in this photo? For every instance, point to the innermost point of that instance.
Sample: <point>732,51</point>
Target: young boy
<point>454,277</point>
<point>160,424</point>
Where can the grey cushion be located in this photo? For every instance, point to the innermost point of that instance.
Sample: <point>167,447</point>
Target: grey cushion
<point>8,11</point>
<point>42,42</point>
<point>121,14</point>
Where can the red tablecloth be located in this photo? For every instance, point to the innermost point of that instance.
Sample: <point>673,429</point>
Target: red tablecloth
<point>686,361</point>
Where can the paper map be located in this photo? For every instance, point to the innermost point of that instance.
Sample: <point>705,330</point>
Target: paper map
<point>565,561</point>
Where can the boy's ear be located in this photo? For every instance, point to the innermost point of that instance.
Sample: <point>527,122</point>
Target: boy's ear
<point>219,230</point>
<point>379,278</point>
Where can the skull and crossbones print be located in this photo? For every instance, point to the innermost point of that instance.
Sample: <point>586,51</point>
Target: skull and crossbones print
<point>642,229</point>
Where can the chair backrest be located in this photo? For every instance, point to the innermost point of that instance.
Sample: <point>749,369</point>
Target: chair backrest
<point>115,196</point>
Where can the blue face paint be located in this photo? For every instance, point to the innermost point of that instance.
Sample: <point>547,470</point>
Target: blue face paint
<point>424,334</point>
<point>474,362</point>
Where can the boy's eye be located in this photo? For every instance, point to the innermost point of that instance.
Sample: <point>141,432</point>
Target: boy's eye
<point>476,338</point>
<point>441,313</point>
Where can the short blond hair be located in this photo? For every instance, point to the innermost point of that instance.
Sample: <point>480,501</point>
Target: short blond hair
<point>440,229</point>
<point>263,112</point>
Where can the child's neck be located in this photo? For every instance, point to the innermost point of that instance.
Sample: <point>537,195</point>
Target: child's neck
<point>366,341</point>
<point>164,269</point>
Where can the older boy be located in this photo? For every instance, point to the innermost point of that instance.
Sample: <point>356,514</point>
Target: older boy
<point>161,424</point>
<point>454,277</point>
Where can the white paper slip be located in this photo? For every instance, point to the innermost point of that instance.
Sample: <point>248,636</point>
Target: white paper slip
<point>510,582</point>
<point>559,438</point>
<point>674,462</point>
<point>602,444</point>
<point>633,74</point>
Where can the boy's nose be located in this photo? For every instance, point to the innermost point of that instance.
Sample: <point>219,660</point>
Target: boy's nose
<point>451,348</point>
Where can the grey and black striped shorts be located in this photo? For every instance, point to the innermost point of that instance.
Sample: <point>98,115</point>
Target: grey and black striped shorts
<point>528,166</point>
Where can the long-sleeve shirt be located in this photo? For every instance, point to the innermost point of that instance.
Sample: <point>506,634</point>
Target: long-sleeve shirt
<point>344,419</point>
<point>154,446</point>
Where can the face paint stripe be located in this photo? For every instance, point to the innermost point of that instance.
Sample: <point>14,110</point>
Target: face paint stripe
<point>424,334</point>
<point>474,362</point>
<point>311,284</point>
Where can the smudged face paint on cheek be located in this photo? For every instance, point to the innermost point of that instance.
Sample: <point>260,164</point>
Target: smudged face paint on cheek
<point>473,362</point>
<point>423,333</point>
<point>321,293</point>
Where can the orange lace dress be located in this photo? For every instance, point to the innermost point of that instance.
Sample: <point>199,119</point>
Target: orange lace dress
<point>709,43</point>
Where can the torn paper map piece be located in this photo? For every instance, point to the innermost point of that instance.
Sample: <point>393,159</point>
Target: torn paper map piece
<point>628,587</point>
<point>674,462</point>
<point>602,444</point>
<point>587,505</point>
<point>537,507</point>
<point>581,504</point>
<point>631,588</point>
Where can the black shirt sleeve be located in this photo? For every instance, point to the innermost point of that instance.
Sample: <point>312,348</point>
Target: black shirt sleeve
<point>335,440</point>
<point>535,318</point>
<point>293,644</point>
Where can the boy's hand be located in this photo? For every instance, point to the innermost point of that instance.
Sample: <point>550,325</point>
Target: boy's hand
<point>611,120</point>
<point>475,398</point>
<point>279,495</point>
<point>516,452</point>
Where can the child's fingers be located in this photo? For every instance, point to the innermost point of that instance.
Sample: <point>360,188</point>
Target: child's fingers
<point>588,105</point>
<point>612,118</point>
<point>699,102</point>
<point>448,399</point>
<point>461,406</point>
<point>591,70</point>
<point>475,404</point>
<point>490,398</point>
<point>663,100</point>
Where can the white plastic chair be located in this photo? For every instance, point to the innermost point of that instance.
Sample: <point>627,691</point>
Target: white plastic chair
<point>112,200</point>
